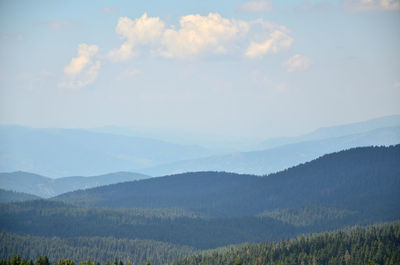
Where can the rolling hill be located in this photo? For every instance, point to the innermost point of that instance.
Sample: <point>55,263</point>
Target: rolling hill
<point>365,180</point>
<point>47,187</point>
<point>13,196</point>
<point>211,209</point>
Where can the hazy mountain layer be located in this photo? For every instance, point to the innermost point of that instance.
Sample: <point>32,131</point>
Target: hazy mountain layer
<point>335,131</point>
<point>276,159</point>
<point>47,187</point>
<point>68,152</point>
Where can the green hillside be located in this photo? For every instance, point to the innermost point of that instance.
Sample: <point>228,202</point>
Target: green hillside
<point>364,181</point>
<point>374,245</point>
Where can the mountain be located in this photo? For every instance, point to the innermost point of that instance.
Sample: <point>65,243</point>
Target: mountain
<point>66,152</point>
<point>13,196</point>
<point>362,180</point>
<point>279,158</point>
<point>335,131</point>
<point>47,187</point>
<point>205,210</point>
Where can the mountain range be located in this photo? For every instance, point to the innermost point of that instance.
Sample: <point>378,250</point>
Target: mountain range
<point>363,180</point>
<point>204,210</point>
<point>279,158</point>
<point>78,152</point>
<point>47,187</point>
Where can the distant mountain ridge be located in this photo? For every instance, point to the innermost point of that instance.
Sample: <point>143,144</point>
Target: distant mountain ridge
<point>69,152</point>
<point>272,160</point>
<point>335,131</point>
<point>47,187</point>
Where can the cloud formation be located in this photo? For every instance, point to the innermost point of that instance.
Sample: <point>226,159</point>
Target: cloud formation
<point>196,34</point>
<point>278,39</point>
<point>372,5</point>
<point>256,6</point>
<point>137,33</point>
<point>297,63</point>
<point>82,70</point>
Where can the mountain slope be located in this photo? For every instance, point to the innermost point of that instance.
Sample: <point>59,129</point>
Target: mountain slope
<point>279,158</point>
<point>373,245</point>
<point>47,187</point>
<point>66,152</point>
<point>49,219</point>
<point>12,196</point>
<point>98,249</point>
<point>365,180</point>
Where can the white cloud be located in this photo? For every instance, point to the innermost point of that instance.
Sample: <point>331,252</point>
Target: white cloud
<point>372,5</point>
<point>297,63</point>
<point>256,6</point>
<point>277,40</point>
<point>198,34</point>
<point>397,84</point>
<point>137,33</point>
<point>82,70</point>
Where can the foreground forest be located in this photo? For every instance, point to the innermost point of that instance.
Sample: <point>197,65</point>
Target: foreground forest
<point>359,246</point>
<point>374,245</point>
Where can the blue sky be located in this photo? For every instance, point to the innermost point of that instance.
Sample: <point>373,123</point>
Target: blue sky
<point>237,68</point>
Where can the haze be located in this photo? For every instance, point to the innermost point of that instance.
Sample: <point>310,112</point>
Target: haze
<point>254,69</point>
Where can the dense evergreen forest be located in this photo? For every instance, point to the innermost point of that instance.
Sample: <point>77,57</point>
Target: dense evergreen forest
<point>365,180</point>
<point>49,218</point>
<point>374,245</point>
<point>13,196</point>
<point>98,249</point>
<point>359,246</point>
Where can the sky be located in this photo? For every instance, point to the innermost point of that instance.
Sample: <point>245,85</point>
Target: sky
<point>253,69</point>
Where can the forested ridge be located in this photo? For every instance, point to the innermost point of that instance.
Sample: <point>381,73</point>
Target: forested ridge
<point>359,246</point>
<point>13,196</point>
<point>362,246</point>
<point>49,218</point>
<point>364,179</point>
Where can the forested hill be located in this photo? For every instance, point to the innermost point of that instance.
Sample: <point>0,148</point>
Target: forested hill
<point>361,246</point>
<point>12,196</point>
<point>364,180</point>
<point>375,245</point>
